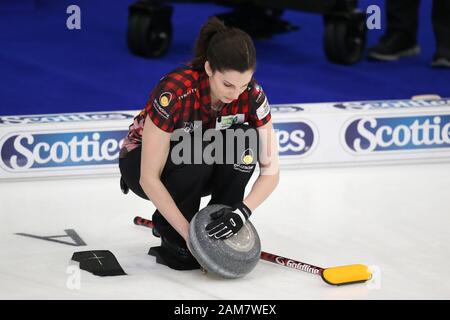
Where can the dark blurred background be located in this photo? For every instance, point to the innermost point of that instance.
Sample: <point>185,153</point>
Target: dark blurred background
<point>46,68</point>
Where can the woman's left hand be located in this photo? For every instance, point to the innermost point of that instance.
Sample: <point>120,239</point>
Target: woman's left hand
<point>227,222</point>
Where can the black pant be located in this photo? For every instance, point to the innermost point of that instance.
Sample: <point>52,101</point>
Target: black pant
<point>403,16</point>
<point>187,183</point>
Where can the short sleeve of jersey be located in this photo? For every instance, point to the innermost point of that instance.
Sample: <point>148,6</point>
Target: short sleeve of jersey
<point>162,107</point>
<point>259,106</point>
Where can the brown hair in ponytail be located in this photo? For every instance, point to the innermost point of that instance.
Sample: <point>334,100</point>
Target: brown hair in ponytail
<point>225,48</point>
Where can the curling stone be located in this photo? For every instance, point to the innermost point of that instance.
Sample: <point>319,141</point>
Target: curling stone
<point>231,258</point>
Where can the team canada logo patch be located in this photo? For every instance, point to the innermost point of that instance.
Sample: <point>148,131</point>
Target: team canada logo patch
<point>164,99</point>
<point>258,93</point>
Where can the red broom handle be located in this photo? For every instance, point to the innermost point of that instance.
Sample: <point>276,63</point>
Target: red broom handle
<point>287,262</point>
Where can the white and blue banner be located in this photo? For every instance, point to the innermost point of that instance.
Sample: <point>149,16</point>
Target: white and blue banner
<point>309,135</point>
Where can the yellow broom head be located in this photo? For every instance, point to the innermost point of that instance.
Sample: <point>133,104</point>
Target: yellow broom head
<point>346,274</point>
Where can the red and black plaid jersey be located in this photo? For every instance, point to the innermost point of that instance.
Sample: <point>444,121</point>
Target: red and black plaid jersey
<point>183,96</point>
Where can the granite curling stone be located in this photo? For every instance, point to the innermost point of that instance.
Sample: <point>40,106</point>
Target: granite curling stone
<point>231,258</point>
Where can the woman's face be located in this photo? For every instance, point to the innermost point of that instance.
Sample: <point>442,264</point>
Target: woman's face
<point>228,85</point>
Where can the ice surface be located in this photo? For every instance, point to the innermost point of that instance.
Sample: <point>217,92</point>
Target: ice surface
<point>395,219</point>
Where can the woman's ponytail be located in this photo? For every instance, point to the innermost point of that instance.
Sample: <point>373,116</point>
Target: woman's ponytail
<point>207,32</point>
<point>225,48</point>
